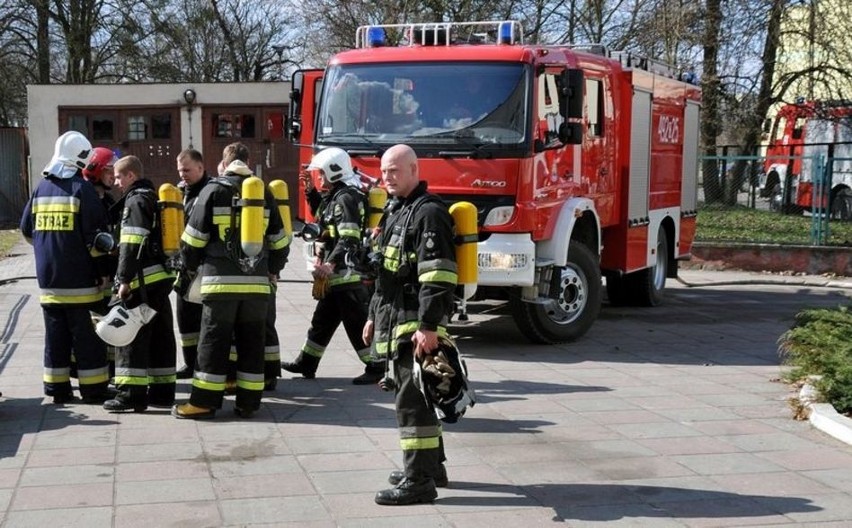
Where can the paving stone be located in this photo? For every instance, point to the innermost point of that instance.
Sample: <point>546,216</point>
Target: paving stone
<point>175,490</point>
<point>65,496</point>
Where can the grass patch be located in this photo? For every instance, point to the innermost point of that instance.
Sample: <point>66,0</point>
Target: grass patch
<point>8,239</point>
<point>717,223</point>
<point>820,344</point>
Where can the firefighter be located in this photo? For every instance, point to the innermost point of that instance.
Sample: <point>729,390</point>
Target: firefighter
<point>145,369</point>
<point>341,293</point>
<point>239,259</point>
<point>271,348</point>
<point>190,167</point>
<point>408,312</point>
<point>62,220</point>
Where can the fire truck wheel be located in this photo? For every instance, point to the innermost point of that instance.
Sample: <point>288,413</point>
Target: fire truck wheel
<point>576,306</point>
<point>841,205</point>
<point>646,286</point>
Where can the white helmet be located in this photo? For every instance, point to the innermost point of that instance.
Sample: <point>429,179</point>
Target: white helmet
<point>334,163</point>
<point>120,326</point>
<point>70,154</point>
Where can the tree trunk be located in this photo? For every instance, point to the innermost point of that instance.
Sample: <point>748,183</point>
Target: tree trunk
<point>43,41</point>
<point>710,120</point>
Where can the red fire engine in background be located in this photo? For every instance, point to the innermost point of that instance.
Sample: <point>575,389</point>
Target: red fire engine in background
<point>581,162</point>
<point>801,134</point>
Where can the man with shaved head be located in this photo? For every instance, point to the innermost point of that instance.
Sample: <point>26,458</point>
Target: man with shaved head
<point>409,311</point>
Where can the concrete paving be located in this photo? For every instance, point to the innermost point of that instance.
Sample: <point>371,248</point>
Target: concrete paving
<point>671,416</point>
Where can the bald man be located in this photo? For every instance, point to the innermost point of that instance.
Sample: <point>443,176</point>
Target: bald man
<point>409,310</point>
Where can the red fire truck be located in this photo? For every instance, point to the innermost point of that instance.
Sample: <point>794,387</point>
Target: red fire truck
<point>803,134</point>
<point>581,162</point>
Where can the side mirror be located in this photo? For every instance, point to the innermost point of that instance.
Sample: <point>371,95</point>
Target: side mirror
<point>294,112</point>
<point>571,93</point>
<point>571,133</point>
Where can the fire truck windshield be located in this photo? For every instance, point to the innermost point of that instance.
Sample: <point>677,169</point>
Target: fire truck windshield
<point>446,105</point>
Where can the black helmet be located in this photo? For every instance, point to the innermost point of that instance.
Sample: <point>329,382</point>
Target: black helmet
<point>442,378</point>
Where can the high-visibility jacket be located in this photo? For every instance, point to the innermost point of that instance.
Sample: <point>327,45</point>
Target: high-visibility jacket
<point>208,241</point>
<point>414,286</point>
<point>141,240</point>
<point>60,221</point>
<point>341,215</point>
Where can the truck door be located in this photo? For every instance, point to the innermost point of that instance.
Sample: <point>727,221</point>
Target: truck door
<point>307,88</point>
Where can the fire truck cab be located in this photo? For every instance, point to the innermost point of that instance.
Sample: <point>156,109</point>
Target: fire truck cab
<point>582,162</point>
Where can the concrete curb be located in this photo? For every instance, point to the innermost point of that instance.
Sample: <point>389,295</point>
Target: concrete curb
<point>824,417</point>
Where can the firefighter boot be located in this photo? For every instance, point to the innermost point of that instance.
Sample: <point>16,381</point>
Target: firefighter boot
<point>408,491</point>
<point>441,480</point>
<point>373,372</point>
<point>192,412</point>
<point>305,364</point>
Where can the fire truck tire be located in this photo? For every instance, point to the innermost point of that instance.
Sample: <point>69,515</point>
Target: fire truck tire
<point>570,315</point>
<point>646,286</point>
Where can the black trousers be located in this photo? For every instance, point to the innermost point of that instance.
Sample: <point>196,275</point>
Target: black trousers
<point>223,322</point>
<point>189,326</point>
<point>349,306</point>
<point>419,428</point>
<point>271,347</point>
<point>69,330</point>
<point>145,369</point>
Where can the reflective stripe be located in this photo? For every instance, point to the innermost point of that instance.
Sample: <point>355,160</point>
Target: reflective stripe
<point>364,355</point>
<point>195,238</point>
<point>55,204</point>
<point>208,385</point>
<point>413,444</point>
<point>134,372</point>
<point>189,339</point>
<point>235,284</point>
<point>250,381</point>
<point>161,371</point>
<point>312,349</point>
<point>436,264</point>
<point>152,274</point>
<point>425,431</point>
<point>278,240</point>
<point>70,295</point>
<point>232,355</point>
<point>212,378</point>
<point>93,376</point>
<point>131,380</point>
<point>450,277</point>
<point>56,375</point>
<point>271,353</point>
<point>162,380</point>
<point>337,280</point>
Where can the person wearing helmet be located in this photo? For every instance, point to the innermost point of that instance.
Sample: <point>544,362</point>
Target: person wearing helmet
<point>190,167</point>
<point>235,291</point>
<point>145,368</point>
<point>61,221</point>
<point>340,212</point>
<point>271,348</point>
<point>409,312</point>
<point>98,172</point>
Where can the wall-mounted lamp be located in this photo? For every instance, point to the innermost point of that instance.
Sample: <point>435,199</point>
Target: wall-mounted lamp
<point>189,96</point>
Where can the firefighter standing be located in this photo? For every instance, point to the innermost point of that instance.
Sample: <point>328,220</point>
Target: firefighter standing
<point>271,348</point>
<point>62,220</point>
<point>190,167</point>
<point>145,369</point>
<point>408,312</point>
<point>342,294</point>
<point>235,290</point>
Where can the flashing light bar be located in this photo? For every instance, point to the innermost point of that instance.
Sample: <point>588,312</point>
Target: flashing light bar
<point>439,33</point>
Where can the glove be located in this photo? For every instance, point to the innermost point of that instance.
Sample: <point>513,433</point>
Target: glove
<point>320,288</point>
<point>438,366</point>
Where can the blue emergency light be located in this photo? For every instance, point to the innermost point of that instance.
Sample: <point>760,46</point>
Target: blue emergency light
<point>375,37</point>
<point>505,33</point>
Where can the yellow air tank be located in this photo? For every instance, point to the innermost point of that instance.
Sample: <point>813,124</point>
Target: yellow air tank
<point>376,199</point>
<point>251,216</point>
<point>281,193</point>
<point>464,215</point>
<point>171,218</point>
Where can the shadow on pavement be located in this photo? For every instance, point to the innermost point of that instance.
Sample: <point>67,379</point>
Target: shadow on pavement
<point>613,502</point>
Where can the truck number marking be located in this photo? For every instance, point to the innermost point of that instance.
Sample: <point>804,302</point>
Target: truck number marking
<point>669,129</point>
